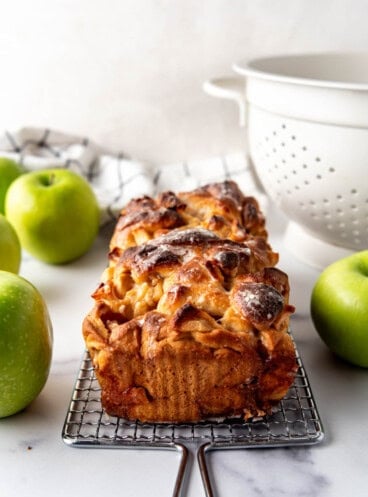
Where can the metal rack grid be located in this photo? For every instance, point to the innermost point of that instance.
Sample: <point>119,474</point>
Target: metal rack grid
<point>295,421</point>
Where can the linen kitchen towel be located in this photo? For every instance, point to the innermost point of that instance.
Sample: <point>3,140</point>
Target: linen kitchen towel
<point>116,178</point>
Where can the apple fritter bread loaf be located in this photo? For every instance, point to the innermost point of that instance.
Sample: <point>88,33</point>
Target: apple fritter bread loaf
<point>190,319</point>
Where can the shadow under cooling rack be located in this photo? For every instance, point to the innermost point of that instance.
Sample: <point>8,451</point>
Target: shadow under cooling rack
<point>295,421</point>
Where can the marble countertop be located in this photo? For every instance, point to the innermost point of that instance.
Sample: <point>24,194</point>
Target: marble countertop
<point>35,461</point>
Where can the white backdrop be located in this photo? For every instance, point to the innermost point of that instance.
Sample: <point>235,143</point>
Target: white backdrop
<point>129,73</point>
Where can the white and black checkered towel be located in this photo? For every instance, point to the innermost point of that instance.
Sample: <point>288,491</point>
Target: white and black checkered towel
<point>116,178</point>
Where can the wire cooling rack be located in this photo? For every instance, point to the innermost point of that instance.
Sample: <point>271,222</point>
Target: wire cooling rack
<point>295,421</point>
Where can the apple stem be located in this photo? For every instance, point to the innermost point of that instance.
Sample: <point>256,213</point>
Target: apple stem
<point>49,180</point>
<point>52,178</point>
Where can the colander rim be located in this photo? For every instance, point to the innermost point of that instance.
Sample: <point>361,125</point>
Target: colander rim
<point>257,68</point>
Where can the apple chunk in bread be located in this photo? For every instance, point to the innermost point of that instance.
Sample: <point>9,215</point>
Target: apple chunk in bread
<point>192,323</point>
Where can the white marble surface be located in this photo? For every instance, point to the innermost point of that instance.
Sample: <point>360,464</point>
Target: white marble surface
<point>35,461</point>
<point>129,75</point>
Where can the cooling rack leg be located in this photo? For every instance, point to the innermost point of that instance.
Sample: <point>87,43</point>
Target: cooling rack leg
<point>201,454</point>
<point>181,471</point>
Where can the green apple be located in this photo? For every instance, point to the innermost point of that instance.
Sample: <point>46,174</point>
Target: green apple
<point>10,250</point>
<point>55,214</point>
<point>25,343</point>
<point>339,307</point>
<point>9,170</point>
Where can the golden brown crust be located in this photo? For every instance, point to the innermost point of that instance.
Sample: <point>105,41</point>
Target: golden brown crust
<point>219,207</point>
<point>190,319</point>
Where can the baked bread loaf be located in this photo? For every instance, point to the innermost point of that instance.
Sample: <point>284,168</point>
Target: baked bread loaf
<point>190,320</point>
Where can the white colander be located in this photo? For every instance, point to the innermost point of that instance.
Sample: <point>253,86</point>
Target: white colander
<point>307,137</point>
